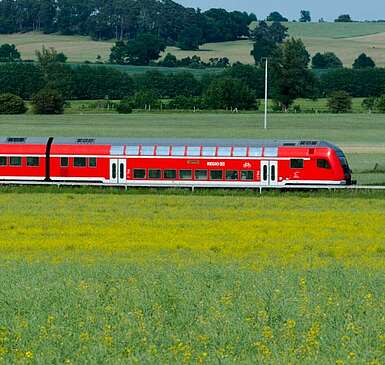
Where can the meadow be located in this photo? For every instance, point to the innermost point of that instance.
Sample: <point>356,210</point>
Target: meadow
<point>347,40</point>
<point>174,278</point>
<point>93,275</point>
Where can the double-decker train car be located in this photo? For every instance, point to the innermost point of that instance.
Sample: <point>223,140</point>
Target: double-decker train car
<point>173,162</point>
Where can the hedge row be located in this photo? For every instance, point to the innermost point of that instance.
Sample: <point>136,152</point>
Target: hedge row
<point>103,82</point>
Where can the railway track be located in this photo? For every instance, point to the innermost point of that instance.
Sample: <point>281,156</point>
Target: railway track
<point>188,186</point>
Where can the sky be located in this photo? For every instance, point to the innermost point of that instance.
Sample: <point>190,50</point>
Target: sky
<point>327,9</point>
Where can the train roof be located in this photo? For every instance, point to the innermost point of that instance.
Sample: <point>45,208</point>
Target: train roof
<point>169,142</point>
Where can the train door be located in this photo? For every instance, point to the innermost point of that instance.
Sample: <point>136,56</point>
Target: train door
<point>114,171</point>
<point>269,173</point>
<point>118,171</point>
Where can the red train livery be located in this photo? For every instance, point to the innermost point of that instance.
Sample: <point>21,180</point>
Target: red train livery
<point>173,162</point>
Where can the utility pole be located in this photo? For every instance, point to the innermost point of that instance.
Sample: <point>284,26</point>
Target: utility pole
<point>266,92</point>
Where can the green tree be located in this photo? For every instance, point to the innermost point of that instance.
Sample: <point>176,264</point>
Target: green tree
<point>266,39</point>
<point>345,18</point>
<point>291,77</point>
<point>305,16</point>
<point>253,76</point>
<point>12,104</point>
<point>125,106</point>
<point>169,61</point>
<point>9,53</point>
<point>380,104</point>
<point>363,61</point>
<point>229,93</point>
<point>139,51</point>
<point>326,61</point>
<point>369,103</point>
<point>48,56</point>
<point>340,102</point>
<point>48,101</point>
<point>22,79</point>
<point>275,16</point>
<point>145,99</point>
<point>101,82</point>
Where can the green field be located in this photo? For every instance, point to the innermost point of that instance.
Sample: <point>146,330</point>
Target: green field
<point>362,136</point>
<point>211,277</point>
<point>149,278</point>
<point>347,40</point>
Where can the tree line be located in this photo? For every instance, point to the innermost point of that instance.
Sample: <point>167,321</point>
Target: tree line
<point>125,19</point>
<point>105,82</point>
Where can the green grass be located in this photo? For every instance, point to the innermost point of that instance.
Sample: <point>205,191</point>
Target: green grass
<point>333,30</point>
<point>347,40</point>
<point>177,279</point>
<point>362,136</point>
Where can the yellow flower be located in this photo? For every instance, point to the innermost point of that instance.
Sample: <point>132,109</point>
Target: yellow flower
<point>291,324</point>
<point>29,354</point>
<point>267,332</point>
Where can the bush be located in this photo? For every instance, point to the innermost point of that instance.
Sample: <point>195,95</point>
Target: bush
<point>146,99</point>
<point>380,104</point>
<point>369,103</point>
<point>124,106</point>
<point>48,101</point>
<point>12,104</point>
<point>340,102</point>
<point>186,103</point>
<point>229,93</point>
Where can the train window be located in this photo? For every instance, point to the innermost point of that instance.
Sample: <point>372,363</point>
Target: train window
<point>296,163</point>
<point>201,174</point>
<point>231,175</point>
<point>64,162</point>
<point>154,174</point>
<point>255,151</point>
<point>264,177</point>
<point>178,151</point>
<point>193,151</point>
<point>323,164</point>
<point>132,150</point>
<point>209,151</point>
<point>163,150</point>
<point>247,175</point>
<point>139,173</point>
<point>33,161</point>
<point>224,151</point>
<point>185,174</point>
<point>15,161</point>
<point>80,162</point>
<point>240,152</point>
<point>169,174</point>
<point>216,175</point>
<point>3,161</point>
<point>148,150</point>
<point>92,162</point>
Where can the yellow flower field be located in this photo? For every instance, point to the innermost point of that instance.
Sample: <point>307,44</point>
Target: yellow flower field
<point>191,278</point>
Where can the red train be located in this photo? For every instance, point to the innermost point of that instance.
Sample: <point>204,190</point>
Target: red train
<point>173,162</point>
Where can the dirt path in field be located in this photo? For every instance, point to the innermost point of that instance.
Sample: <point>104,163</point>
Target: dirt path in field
<point>363,148</point>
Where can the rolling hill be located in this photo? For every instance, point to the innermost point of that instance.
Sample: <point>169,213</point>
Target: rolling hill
<point>347,40</point>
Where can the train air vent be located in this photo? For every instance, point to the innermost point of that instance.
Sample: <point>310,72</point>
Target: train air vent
<point>16,140</point>
<point>289,144</point>
<point>85,141</point>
